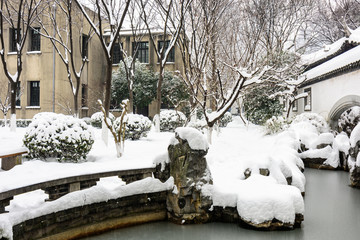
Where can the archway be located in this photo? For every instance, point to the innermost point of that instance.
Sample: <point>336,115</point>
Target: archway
<point>341,106</point>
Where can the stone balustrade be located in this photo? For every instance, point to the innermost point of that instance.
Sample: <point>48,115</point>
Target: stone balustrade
<point>60,187</point>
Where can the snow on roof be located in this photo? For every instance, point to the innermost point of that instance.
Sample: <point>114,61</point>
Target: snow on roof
<point>328,50</point>
<point>335,63</point>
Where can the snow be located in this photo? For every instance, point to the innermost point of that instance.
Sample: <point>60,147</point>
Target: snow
<point>355,136</point>
<point>194,137</point>
<point>342,143</point>
<point>340,61</point>
<point>324,138</point>
<point>331,49</point>
<point>22,209</point>
<point>237,148</point>
<point>317,153</point>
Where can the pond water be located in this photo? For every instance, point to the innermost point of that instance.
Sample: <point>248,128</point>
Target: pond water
<point>332,211</point>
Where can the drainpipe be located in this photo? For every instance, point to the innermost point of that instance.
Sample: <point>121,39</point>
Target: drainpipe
<point>54,52</point>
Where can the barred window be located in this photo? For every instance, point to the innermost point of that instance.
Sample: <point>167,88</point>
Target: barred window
<point>13,39</point>
<point>34,99</point>
<point>18,94</point>
<point>84,47</point>
<point>307,100</point>
<point>35,40</point>
<point>141,51</point>
<point>171,57</point>
<point>117,55</point>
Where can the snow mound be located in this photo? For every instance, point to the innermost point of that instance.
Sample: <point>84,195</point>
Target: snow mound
<point>259,199</point>
<point>194,137</point>
<point>355,136</point>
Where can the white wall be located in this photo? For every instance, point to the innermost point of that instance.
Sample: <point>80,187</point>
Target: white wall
<point>326,93</point>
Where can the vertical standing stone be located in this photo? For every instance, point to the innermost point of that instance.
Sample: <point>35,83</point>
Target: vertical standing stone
<point>188,167</point>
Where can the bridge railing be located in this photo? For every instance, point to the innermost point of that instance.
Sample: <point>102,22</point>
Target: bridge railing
<point>60,187</point>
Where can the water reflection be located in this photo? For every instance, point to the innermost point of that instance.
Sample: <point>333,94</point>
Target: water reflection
<point>332,211</point>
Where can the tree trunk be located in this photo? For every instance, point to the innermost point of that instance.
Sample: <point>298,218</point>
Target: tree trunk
<point>108,87</point>
<point>13,106</point>
<point>209,134</point>
<point>119,149</point>
<point>131,100</point>
<point>158,98</point>
<point>76,104</point>
<point>288,110</point>
<point>106,104</point>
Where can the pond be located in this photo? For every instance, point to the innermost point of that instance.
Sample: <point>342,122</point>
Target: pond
<point>332,211</point>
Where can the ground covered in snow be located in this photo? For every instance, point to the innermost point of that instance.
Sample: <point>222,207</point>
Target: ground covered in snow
<point>235,150</point>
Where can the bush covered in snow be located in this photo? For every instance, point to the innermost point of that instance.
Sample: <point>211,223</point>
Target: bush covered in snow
<point>64,138</point>
<point>315,119</point>
<point>137,126</point>
<point>96,119</point>
<point>19,122</point>
<point>349,119</point>
<point>227,118</point>
<point>275,125</point>
<point>198,124</point>
<point>171,119</point>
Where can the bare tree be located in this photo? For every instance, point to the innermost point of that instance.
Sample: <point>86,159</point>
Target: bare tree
<point>137,30</point>
<point>168,18</point>
<point>18,16</point>
<point>254,45</point>
<point>109,15</point>
<point>5,105</point>
<point>66,35</point>
<point>332,20</point>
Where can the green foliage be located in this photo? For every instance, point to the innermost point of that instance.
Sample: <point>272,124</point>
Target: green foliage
<point>144,87</point>
<point>171,119</point>
<point>259,107</point>
<point>173,91</point>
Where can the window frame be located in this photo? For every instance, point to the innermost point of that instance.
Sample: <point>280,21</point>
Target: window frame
<point>85,46</point>
<point>117,56</point>
<point>35,32</point>
<point>171,56</point>
<point>307,100</point>
<point>12,39</point>
<point>34,92</point>
<point>142,49</point>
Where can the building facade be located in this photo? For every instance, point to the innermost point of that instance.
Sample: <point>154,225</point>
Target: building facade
<point>44,84</point>
<point>332,79</point>
<point>138,45</point>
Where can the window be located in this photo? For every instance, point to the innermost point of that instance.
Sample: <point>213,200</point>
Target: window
<point>141,51</point>
<point>34,91</point>
<point>35,39</point>
<point>84,47</point>
<point>13,39</point>
<point>117,55</point>
<point>307,99</point>
<point>295,104</point>
<point>84,95</point>
<point>18,94</point>
<point>171,57</point>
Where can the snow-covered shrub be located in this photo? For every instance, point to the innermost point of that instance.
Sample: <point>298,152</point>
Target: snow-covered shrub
<point>227,118</point>
<point>198,124</point>
<point>315,119</point>
<point>171,119</point>
<point>137,126</point>
<point>64,138</point>
<point>87,120</point>
<point>19,122</point>
<point>275,125</point>
<point>96,119</point>
<point>349,119</point>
